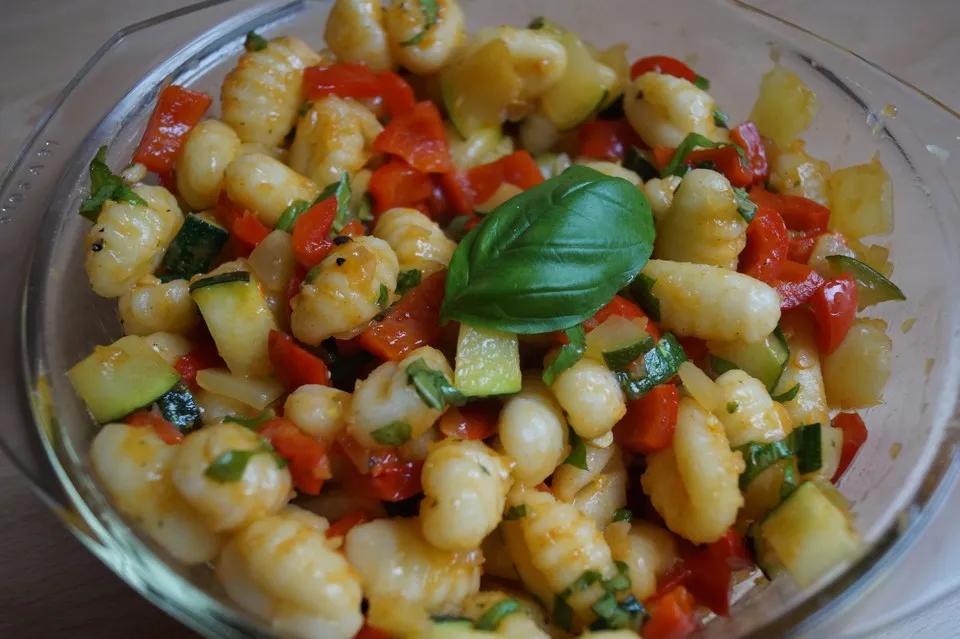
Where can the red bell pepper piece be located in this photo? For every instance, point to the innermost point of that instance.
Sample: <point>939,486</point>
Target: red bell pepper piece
<point>306,457</point>
<point>796,284</point>
<point>178,110</point>
<point>834,308</point>
<point>476,420</point>
<point>519,168</point>
<point>249,230</point>
<point>412,322</point>
<point>168,180</point>
<point>397,95</point>
<point>204,355</point>
<point>163,429</point>
<point>799,213</point>
<point>606,139</point>
<point>725,160</point>
<point>767,246</point>
<point>396,183</point>
<point>293,365</point>
<point>624,308</point>
<point>650,421</point>
<point>801,245</point>
<point>381,474</point>
<point>369,632</point>
<point>747,137</point>
<point>311,239</point>
<point>672,615</point>
<point>457,191</point>
<point>854,436</point>
<point>351,80</point>
<point>419,138</point>
<point>662,156</point>
<point>662,64</point>
<point>695,348</point>
<point>345,524</point>
<point>707,572</point>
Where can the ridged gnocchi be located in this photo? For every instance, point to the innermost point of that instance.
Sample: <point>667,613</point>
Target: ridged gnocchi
<point>207,151</point>
<point>663,109</point>
<point>151,306</point>
<point>533,432</point>
<point>648,550</point>
<point>406,21</point>
<point>600,490</point>
<point>803,369</point>
<point>527,622</point>
<point>352,284</point>
<point>418,241</point>
<point>355,33</point>
<point>266,186</point>
<point>320,411</point>
<point>261,95</point>
<point>660,193</point>
<point>538,59</point>
<point>748,414</point>
<point>591,397</point>
<point>334,136</point>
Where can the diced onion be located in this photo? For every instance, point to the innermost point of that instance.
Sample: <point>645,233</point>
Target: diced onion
<point>257,393</point>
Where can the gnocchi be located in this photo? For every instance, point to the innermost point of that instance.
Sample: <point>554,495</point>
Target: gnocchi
<point>334,136</point>
<point>417,241</point>
<point>209,148</point>
<point>151,306</point>
<point>663,109</point>
<point>533,432</point>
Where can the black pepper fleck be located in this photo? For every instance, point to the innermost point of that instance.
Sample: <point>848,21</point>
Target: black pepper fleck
<point>341,239</point>
<point>97,246</point>
<point>341,261</point>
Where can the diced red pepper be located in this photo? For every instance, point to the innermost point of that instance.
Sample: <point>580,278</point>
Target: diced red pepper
<point>458,191</point>
<point>796,284</point>
<point>178,110</point>
<point>519,168</point>
<point>344,524</point>
<point>662,64</point>
<point>294,365</point>
<point>650,421</point>
<point>412,322</point>
<point>418,137</point>
<point>168,180</point>
<point>725,160</point>
<point>397,94</point>
<point>672,616</point>
<point>204,355</point>
<point>396,183</point>
<point>799,213</point>
<point>395,480</point>
<point>801,245</point>
<point>834,308</point>
<point>695,348</point>
<point>249,230</point>
<point>306,457</point>
<point>747,137</point>
<point>707,572</point>
<point>624,308</point>
<point>767,246</point>
<point>476,420</point>
<point>163,429</point>
<point>662,156</point>
<point>369,632</point>
<point>351,80</point>
<point>353,228</point>
<point>854,436</point>
<point>606,139</point>
<point>311,239</point>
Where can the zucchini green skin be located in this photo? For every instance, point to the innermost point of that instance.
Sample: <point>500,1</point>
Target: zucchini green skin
<point>803,442</point>
<point>872,286</point>
<point>179,408</point>
<point>764,360</point>
<point>194,248</point>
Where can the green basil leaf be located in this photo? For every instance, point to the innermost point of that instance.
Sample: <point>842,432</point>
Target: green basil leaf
<point>384,297</point>
<point>787,395</point>
<point>578,452</point>
<point>290,214</point>
<point>393,434</point>
<point>365,208</point>
<point>457,227</point>
<point>105,185</point>
<point>621,359</point>
<point>229,465</point>
<point>343,193</point>
<point>254,42</point>
<point>581,583</point>
<point>732,407</point>
<point>701,83</point>
<point>254,422</point>
<point>808,447</point>
<point>491,619</point>
<point>622,514</point>
<point>569,354</point>
<point>721,119</point>
<point>634,160</point>
<point>642,291</point>
<point>677,164</point>
<point>745,206</point>
<point>562,613</point>
<point>537,23</point>
<point>552,256</point>
<point>430,14</point>
<point>515,512</point>
<point>659,363</point>
<point>804,443</point>
<point>621,581</point>
<point>434,388</point>
<point>408,280</point>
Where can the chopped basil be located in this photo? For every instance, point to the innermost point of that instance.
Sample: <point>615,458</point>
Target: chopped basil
<point>578,452</point>
<point>408,280</point>
<point>384,297</point>
<point>343,193</point>
<point>659,363</point>
<point>311,274</point>
<point>434,388</point>
<point>804,443</point>
<point>621,581</point>
<point>732,407</point>
<point>622,514</point>
<point>254,42</point>
<point>230,465</point>
<point>515,512</point>
<point>457,227</point>
<point>430,14</point>
<point>634,160</point>
<point>290,215</point>
<point>787,395</point>
<point>642,290</point>
<point>701,83</point>
<point>677,164</point>
<point>393,434</point>
<point>721,119</point>
<point>254,422</point>
<point>105,185</point>
<point>569,354</point>
<point>491,619</point>
<point>745,206</point>
<point>562,613</point>
<point>365,208</point>
<point>537,23</point>
<point>222,278</point>
<point>621,359</point>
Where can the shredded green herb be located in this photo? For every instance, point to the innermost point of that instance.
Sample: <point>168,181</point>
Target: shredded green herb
<point>434,388</point>
<point>408,280</point>
<point>569,354</point>
<point>578,452</point>
<point>393,434</point>
<point>431,12</point>
<point>105,185</point>
<point>254,42</point>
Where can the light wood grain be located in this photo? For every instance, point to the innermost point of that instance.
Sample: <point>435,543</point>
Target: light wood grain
<point>50,587</point>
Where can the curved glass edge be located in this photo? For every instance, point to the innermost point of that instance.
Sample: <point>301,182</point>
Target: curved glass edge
<point>880,557</point>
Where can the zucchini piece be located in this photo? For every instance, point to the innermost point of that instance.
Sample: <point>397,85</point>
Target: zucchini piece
<point>583,89</point>
<point>238,318</point>
<point>804,443</point>
<point>764,360</point>
<point>872,286</point>
<point>660,363</point>
<point>487,362</point>
<point>196,245</point>
<point>116,380</point>
<point>179,408</point>
<point>616,333</point>
<point>808,534</point>
<point>478,89</point>
<point>768,489</point>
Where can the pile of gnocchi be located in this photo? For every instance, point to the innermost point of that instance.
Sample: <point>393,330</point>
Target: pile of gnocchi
<point>437,334</point>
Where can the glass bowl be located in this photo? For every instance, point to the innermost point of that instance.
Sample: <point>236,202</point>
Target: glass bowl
<point>60,319</point>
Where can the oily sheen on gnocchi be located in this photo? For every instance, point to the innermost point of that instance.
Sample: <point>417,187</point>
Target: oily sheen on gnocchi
<point>436,334</point>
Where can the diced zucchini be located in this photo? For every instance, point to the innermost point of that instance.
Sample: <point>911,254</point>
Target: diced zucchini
<point>831,444</point>
<point>582,91</point>
<point>855,374</point>
<point>764,360</point>
<point>195,246</point>
<point>768,489</point>
<point>478,89</point>
<point>872,286</point>
<point>238,318</point>
<point>118,379</point>
<point>256,393</point>
<point>487,362</point>
<point>809,534</point>
<point>659,364</point>
<point>615,333</point>
<point>179,408</point>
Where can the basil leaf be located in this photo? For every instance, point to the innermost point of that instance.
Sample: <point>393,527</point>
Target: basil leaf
<point>721,119</point>
<point>290,215</point>
<point>787,395</point>
<point>393,434</point>
<point>552,256</point>
<point>229,465</point>
<point>804,443</point>
<point>105,185</point>
<point>254,42</point>
<point>491,619</point>
<point>701,83</point>
<point>254,422</point>
<point>343,193</point>
<point>677,164</point>
<point>732,407</point>
<point>365,208</point>
<point>581,583</point>
<point>621,359</point>
<point>642,290</point>
<point>384,297</point>
<point>578,452</point>
<point>408,280</point>
<point>569,354</point>
<point>807,445</point>
<point>537,23</point>
<point>430,14</point>
<point>745,206</point>
<point>622,514</point>
<point>621,581</point>
<point>433,386</point>
<point>634,160</point>
<point>659,363</point>
<point>515,512</point>
<point>457,227</point>
<point>562,613</point>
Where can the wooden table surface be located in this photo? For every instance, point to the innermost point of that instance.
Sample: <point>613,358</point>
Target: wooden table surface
<point>50,587</point>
